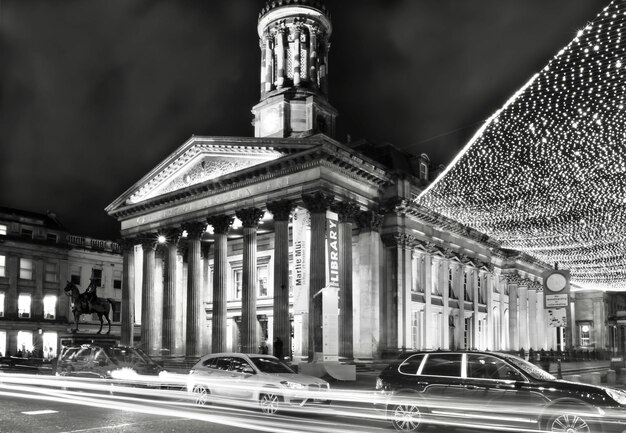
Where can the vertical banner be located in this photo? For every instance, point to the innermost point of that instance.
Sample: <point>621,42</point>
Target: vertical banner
<point>330,294</point>
<point>299,272</point>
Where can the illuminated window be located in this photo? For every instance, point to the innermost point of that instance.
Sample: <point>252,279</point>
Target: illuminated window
<point>23,306</point>
<point>49,306</point>
<point>3,266</point>
<point>50,274</point>
<point>237,282</point>
<point>1,304</point>
<point>585,331</point>
<point>3,343</point>
<point>26,269</point>
<point>262,276</point>
<point>24,342</point>
<point>3,230</point>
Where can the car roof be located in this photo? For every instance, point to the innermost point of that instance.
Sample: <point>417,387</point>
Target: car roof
<point>249,355</point>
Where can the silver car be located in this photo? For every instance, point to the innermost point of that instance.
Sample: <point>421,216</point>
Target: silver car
<point>262,380</point>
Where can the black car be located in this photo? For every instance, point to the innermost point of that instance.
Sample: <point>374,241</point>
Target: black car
<point>494,390</point>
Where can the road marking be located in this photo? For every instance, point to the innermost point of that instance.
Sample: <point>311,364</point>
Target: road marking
<point>98,428</point>
<point>40,412</point>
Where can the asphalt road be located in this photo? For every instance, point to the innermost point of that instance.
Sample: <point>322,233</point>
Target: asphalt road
<point>36,407</point>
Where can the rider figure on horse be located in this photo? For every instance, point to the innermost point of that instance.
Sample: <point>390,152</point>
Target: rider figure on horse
<point>90,293</point>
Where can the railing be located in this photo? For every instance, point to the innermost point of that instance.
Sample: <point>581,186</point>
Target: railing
<point>93,244</point>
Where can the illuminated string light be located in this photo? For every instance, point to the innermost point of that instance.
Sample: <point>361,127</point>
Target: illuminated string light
<point>546,174</point>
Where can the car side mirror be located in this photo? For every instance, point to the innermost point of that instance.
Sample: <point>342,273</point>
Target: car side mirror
<point>247,370</point>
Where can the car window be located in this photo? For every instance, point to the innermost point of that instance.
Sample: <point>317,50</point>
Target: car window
<point>69,353</point>
<point>531,369</point>
<point>271,365</point>
<point>443,364</point>
<point>239,364</point>
<point>222,363</point>
<point>210,362</point>
<point>100,357</point>
<point>411,364</point>
<point>82,355</point>
<point>489,367</point>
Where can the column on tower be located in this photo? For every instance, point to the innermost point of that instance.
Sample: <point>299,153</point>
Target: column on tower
<point>317,204</point>
<point>313,56</point>
<point>297,30</point>
<point>250,218</point>
<point>170,300</point>
<point>347,212</point>
<point>148,245</point>
<point>279,47</point>
<point>269,62</point>
<point>128,291</point>
<point>195,314</point>
<point>281,210</point>
<point>221,225</point>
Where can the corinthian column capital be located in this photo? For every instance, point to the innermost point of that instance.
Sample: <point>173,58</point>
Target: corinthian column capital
<point>318,202</point>
<point>221,223</point>
<point>194,229</point>
<point>281,209</point>
<point>249,217</point>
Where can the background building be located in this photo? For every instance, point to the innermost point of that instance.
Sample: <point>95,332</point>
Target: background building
<point>37,258</point>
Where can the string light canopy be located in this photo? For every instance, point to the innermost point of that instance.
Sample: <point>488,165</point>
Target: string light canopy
<point>546,173</point>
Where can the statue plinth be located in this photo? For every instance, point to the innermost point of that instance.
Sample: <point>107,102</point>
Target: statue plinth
<point>84,338</point>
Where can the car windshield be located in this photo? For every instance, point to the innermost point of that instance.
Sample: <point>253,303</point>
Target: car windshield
<point>271,365</point>
<point>122,355</point>
<point>530,369</point>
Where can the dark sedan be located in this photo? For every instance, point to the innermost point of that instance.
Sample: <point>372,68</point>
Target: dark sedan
<point>495,390</point>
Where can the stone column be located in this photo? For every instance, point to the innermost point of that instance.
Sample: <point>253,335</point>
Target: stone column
<point>513,322</point>
<point>181,295</point>
<point>205,251</point>
<point>250,218</point>
<point>280,57</point>
<point>444,271</point>
<point>170,300</point>
<point>426,261</point>
<point>346,212</point>
<point>313,56</point>
<point>221,225</point>
<point>281,210</point>
<point>317,204</point>
<point>489,328</point>
<point>128,292</point>
<point>458,274</point>
<point>156,314</point>
<point>147,295</point>
<point>532,317</point>
<point>522,293</point>
<point>296,55</point>
<point>195,314</point>
<point>368,275</point>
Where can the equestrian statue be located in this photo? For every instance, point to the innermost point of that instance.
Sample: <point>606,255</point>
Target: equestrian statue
<point>88,303</point>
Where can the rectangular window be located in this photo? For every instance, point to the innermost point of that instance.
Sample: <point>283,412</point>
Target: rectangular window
<point>451,294</point>
<point>49,306</point>
<point>51,237</point>
<point>1,304</point>
<point>50,272</point>
<point>75,275</point>
<point>3,230</point>
<point>466,293</point>
<point>3,264</point>
<point>262,276</point>
<point>27,233</point>
<point>23,306</point>
<point>96,275</point>
<point>585,331</point>
<point>26,269</point>
<point>117,311</point>
<point>237,282</point>
<point>117,280</point>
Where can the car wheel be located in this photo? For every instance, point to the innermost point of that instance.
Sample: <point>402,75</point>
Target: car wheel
<point>567,421</point>
<point>201,395</point>
<point>269,403</point>
<point>407,417</point>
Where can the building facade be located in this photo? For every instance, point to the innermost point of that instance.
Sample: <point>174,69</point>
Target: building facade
<point>316,246</point>
<point>37,258</point>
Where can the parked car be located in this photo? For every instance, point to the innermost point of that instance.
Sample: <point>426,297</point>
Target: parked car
<point>492,389</point>
<point>107,362</point>
<point>261,379</point>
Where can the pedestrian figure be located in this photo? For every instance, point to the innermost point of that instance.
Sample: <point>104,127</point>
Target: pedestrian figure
<point>278,348</point>
<point>263,349</point>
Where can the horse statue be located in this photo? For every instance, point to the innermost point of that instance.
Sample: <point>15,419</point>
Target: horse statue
<point>88,303</point>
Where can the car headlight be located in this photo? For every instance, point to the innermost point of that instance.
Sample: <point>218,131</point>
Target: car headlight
<point>379,384</point>
<point>617,395</point>
<point>292,385</point>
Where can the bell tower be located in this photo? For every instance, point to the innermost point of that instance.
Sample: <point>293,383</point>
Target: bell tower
<point>294,40</point>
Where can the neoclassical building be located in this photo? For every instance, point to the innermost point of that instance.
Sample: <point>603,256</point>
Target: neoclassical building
<point>315,246</point>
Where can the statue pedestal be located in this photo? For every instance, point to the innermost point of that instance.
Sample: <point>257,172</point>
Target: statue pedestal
<point>82,338</point>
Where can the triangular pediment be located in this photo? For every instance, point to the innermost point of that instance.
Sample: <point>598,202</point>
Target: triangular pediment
<point>199,160</point>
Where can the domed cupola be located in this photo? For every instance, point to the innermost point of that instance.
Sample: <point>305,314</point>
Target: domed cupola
<point>294,41</point>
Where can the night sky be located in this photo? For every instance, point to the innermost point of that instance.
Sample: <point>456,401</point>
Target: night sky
<point>95,93</point>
